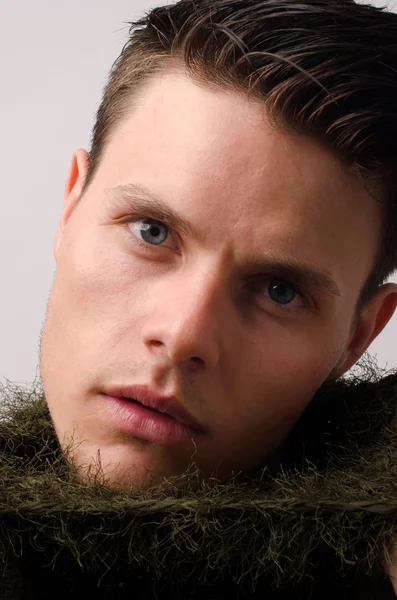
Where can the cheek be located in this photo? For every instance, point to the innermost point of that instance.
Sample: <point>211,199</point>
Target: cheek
<point>301,350</point>
<point>283,375</point>
<point>97,295</point>
<point>259,413</point>
<point>270,403</point>
<point>100,277</point>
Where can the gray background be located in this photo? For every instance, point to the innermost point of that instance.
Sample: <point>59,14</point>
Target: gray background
<point>54,59</point>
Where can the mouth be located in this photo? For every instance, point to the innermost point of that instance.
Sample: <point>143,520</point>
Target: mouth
<point>159,412</point>
<point>147,423</point>
<point>141,395</point>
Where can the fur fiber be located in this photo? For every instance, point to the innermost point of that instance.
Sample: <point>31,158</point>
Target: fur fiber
<point>318,527</point>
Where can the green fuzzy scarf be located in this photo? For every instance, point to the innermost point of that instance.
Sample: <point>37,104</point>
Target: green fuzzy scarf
<point>318,528</point>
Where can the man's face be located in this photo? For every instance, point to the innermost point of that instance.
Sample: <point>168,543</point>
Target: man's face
<point>218,313</point>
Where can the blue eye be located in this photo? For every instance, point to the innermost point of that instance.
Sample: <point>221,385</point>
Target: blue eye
<point>153,232</point>
<point>281,292</point>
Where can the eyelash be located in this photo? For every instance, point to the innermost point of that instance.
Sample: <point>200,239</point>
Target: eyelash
<point>146,247</point>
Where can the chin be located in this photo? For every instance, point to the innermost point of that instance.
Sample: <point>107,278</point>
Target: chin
<point>122,468</point>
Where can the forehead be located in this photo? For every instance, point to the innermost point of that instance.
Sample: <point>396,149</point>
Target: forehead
<point>216,158</point>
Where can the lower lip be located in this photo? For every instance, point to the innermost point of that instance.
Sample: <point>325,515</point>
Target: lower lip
<point>144,423</point>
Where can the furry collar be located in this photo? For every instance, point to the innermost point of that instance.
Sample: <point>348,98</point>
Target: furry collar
<point>317,528</point>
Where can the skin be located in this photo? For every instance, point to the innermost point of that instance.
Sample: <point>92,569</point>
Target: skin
<point>392,572</point>
<point>185,317</point>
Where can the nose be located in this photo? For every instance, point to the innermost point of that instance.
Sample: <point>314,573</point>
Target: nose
<point>184,322</point>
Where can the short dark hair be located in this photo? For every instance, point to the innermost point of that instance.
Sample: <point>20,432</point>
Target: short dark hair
<point>324,68</point>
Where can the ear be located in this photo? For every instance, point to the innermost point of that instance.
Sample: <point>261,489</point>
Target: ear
<point>373,318</point>
<point>74,184</point>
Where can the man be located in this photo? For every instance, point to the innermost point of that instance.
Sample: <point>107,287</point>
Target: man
<point>223,249</point>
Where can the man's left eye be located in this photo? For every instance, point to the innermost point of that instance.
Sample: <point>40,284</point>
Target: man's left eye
<point>150,231</point>
<point>281,292</point>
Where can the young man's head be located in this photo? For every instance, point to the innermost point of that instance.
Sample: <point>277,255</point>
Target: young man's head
<point>228,238</point>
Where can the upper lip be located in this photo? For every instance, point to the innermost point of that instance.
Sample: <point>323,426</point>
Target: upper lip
<point>165,404</point>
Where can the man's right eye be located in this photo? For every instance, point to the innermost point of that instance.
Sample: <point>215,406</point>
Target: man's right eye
<point>150,231</point>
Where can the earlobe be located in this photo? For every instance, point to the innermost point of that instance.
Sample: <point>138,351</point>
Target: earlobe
<point>73,187</point>
<point>373,319</point>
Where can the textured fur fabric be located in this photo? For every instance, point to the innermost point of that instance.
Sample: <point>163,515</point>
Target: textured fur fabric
<point>319,527</point>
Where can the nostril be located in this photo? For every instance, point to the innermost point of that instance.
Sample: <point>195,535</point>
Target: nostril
<point>197,359</point>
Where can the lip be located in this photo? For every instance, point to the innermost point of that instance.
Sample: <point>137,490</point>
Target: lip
<point>171,425</point>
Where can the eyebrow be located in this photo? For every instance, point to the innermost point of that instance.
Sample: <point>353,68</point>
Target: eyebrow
<point>141,199</point>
